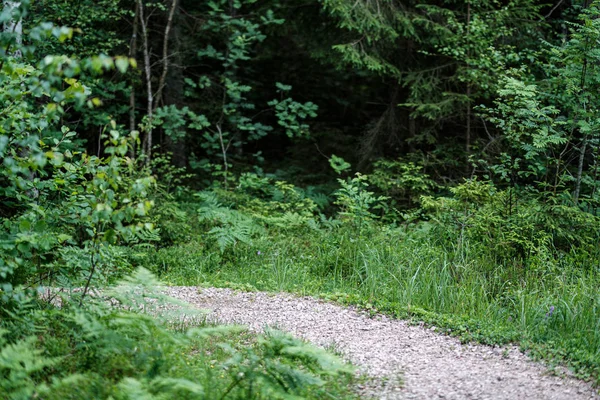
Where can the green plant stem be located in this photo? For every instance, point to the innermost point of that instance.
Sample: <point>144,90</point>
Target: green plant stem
<point>89,279</point>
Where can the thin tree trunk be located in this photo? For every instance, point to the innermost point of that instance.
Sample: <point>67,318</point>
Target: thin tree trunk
<point>580,170</point>
<point>224,151</point>
<point>595,180</point>
<point>468,133</point>
<point>165,61</point>
<point>147,68</point>
<point>132,54</point>
<point>584,139</point>
<point>99,142</point>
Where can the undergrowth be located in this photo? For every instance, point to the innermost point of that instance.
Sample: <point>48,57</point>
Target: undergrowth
<point>107,352</point>
<point>546,303</point>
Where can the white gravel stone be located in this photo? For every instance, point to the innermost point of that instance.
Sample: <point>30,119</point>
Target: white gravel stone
<point>406,362</point>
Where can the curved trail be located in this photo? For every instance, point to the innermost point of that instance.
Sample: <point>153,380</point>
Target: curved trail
<point>429,365</point>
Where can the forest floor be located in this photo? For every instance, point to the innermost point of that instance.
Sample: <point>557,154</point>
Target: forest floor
<point>399,360</point>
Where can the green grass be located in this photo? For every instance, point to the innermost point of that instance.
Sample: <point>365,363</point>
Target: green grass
<point>461,289</point>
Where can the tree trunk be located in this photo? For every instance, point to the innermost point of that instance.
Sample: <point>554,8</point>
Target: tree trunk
<point>582,151</point>
<point>165,53</point>
<point>147,147</point>
<point>468,133</point>
<point>132,54</point>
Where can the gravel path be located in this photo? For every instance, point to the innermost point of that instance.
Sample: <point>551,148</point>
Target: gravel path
<point>429,365</point>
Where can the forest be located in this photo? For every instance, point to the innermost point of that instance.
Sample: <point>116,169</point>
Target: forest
<point>433,161</point>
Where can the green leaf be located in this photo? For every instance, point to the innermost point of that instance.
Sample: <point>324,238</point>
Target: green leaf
<point>338,164</point>
<point>122,63</point>
<point>110,236</point>
<point>24,225</point>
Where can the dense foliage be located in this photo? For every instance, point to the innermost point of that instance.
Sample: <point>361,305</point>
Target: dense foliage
<point>435,160</point>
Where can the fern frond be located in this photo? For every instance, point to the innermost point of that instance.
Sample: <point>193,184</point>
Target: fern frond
<point>143,291</point>
<point>177,388</point>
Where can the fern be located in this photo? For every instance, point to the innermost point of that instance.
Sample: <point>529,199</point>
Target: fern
<point>228,236</point>
<point>159,388</point>
<point>275,367</point>
<point>143,291</point>
<point>229,226</point>
<point>320,199</point>
<point>289,220</point>
<point>284,344</point>
<point>18,362</point>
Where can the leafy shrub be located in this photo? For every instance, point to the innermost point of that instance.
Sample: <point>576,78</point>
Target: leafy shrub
<point>271,198</point>
<point>357,202</point>
<point>508,227</point>
<point>404,182</point>
<point>171,220</point>
<point>56,200</point>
